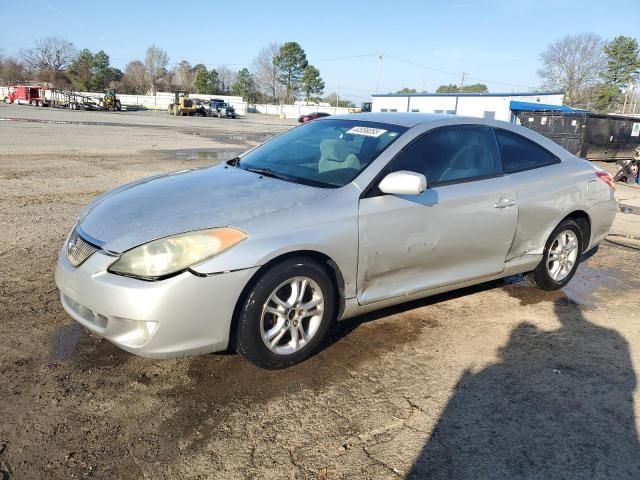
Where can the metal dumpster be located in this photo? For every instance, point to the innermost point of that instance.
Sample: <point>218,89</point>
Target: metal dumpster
<point>587,135</point>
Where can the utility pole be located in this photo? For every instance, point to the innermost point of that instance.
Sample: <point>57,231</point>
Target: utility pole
<point>463,74</point>
<point>378,72</point>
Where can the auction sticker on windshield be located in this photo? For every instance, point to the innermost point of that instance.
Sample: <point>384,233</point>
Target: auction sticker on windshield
<point>366,131</point>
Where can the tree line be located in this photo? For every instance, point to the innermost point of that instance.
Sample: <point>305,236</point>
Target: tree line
<point>279,73</point>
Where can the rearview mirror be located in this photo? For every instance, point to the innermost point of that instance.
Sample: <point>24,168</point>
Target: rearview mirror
<point>403,183</point>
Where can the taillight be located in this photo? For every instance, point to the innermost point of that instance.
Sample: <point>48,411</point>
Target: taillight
<point>606,178</point>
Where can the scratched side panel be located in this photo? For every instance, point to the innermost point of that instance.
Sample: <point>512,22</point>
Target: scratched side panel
<point>545,196</point>
<point>447,234</point>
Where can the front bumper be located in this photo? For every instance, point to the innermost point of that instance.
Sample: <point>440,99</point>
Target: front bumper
<point>182,315</point>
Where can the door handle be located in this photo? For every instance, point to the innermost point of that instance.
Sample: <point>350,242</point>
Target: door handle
<point>504,203</point>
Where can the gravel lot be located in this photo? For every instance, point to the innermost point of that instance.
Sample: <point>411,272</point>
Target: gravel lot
<point>495,381</point>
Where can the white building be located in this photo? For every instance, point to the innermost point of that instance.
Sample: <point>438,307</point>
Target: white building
<point>498,106</point>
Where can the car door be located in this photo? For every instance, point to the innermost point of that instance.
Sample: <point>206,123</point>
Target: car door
<point>544,189</point>
<point>459,228</point>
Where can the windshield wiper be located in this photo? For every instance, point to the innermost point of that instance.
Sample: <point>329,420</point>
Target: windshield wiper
<point>267,172</point>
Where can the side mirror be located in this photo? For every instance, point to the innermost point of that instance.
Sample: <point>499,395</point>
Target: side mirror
<point>403,183</point>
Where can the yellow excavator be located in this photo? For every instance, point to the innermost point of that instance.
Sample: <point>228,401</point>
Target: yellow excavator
<point>110,101</point>
<point>182,105</point>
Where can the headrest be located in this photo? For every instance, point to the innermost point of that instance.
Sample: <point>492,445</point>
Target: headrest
<point>333,150</point>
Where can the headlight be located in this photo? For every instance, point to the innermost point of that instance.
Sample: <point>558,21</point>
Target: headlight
<point>176,253</point>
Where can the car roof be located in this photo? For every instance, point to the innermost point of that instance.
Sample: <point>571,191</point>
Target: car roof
<point>405,119</point>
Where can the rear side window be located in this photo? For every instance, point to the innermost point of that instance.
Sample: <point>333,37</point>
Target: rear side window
<point>451,155</point>
<point>519,154</point>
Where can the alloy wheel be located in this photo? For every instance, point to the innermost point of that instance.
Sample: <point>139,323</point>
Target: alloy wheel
<point>292,315</point>
<point>562,255</point>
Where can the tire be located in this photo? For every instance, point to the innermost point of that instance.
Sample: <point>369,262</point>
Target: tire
<point>7,100</point>
<point>254,323</point>
<point>554,274</point>
<point>40,103</point>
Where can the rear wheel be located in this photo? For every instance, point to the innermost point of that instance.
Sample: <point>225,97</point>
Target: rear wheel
<point>286,314</point>
<point>561,258</point>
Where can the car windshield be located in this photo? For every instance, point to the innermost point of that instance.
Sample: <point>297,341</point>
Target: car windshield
<point>324,153</point>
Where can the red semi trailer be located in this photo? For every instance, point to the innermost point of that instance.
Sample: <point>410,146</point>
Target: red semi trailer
<point>27,95</point>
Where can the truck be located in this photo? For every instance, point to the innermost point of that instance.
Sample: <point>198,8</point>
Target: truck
<point>219,108</point>
<point>182,104</point>
<point>27,95</point>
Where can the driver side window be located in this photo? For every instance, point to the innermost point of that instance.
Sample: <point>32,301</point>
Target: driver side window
<point>451,155</point>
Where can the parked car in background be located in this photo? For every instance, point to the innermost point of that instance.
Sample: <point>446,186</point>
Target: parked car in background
<point>202,108</point>
<point>220,108</point>
<point>312,116</point>
<point>326,221</point>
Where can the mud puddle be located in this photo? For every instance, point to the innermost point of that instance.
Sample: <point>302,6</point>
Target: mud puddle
<point>213,155</point>
<point>241,139</point>
<point>74,343</point>
<point>629,209</point>
<point>582,290</point>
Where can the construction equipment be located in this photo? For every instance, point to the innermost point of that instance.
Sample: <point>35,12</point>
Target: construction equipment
<point>110,101</point>
<point>182,105</point>
<point>27,95</point>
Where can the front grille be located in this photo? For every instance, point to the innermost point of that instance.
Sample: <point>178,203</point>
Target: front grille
<point>78,249</point>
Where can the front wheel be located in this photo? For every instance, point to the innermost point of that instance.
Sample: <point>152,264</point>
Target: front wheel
<point>286,314</point>
<point>561,258</point>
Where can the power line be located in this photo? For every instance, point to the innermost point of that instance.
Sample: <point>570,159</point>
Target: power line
<point>453,74</point>
<point>346,58</point>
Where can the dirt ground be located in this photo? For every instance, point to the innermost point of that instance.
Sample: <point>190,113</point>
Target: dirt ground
<point>494,381</point>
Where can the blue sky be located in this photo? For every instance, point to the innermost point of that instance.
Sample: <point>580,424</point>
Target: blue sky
<point>495,41</point>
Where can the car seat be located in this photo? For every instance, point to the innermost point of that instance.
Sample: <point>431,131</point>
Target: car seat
<point>334,155</point>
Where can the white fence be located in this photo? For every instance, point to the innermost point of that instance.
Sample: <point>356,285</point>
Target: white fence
<point>160,101</point>
<point>294,111</point>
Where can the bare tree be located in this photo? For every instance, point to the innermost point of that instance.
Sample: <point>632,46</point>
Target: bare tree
<point>11,70</point>
<point>184,76</point>
<point>50,53</point>
<point>135,78</point>
<point>573,64</point>
<point>155,61</point>
<point>266,72</point>
<point>227,78</point>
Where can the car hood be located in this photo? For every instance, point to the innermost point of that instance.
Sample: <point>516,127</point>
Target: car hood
<point>164,205</point>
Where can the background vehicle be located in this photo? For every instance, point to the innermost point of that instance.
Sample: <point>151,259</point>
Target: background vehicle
<point>220,108</point>
<point>628,169</point>
<point>182,105</point>
<point>110,101</point>
<point>202,108</point>
<point>27,95</point>
<point>311,116</point>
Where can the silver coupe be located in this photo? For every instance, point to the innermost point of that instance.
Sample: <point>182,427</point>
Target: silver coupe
<point>326,221</point>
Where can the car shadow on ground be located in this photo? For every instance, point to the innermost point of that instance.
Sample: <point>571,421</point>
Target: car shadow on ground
<point>558,404</point>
